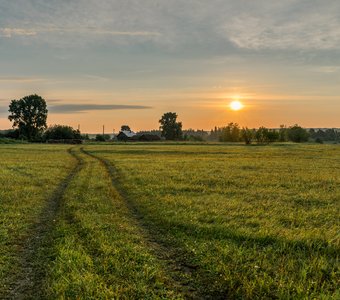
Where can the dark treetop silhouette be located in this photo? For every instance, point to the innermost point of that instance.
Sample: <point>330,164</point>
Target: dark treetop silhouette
<point>29,116</point>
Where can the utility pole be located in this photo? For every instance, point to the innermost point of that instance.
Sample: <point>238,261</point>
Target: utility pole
<point>103,130</point>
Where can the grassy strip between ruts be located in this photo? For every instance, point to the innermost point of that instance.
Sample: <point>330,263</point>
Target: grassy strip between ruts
<point>99,251</point>
<point>29,176</point>
<point>36,250</point>
<point>255,222</point>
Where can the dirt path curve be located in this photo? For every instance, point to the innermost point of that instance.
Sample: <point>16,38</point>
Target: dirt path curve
<point>28,282</point>
<point>179,272</point>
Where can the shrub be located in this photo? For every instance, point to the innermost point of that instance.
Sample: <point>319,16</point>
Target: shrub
<point>61,132</point>
<point>297,134</point>
<point>102,137</point>
<point>319,141</point>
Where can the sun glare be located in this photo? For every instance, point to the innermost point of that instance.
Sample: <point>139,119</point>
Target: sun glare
<point>236,105</point>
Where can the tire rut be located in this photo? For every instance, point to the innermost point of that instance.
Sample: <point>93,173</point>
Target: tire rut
<point>180,272</point>
<point>28,281</point>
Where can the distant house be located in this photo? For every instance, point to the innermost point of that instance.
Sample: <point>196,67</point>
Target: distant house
<point>126,135</point>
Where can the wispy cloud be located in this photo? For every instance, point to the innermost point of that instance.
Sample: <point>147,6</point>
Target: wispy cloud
<point>95,77</point>
<point>260,24</point>
<point>81,108</point>
<point>326,69</point>
<point>10,32</point>
<point>311,31</point>
<point>19,79</point>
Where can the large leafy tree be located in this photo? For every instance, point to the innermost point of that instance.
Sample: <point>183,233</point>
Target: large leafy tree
<point>29,115</point>
<point>171,129</point>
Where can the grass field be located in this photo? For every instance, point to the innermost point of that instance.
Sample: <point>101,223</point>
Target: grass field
<point>169,221</point>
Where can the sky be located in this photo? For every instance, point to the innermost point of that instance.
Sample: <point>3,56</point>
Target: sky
<point>115,62</point>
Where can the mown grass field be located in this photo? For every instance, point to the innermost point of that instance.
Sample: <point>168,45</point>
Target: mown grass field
<point>169,221</point>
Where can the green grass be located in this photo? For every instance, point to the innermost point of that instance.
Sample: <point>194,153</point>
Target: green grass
<point>100,250</point>
<point>29,174</point>
<point>151,221</point>
<point>254,221</point>
<point>10,141</point>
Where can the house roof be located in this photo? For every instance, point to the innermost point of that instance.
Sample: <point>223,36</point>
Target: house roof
<point>127,133</point>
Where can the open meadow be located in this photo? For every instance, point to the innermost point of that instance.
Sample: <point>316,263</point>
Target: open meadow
<point>169,221</point>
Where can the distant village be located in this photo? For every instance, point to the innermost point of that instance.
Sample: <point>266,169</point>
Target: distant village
<point>230,133</point>
<point>318,135</point>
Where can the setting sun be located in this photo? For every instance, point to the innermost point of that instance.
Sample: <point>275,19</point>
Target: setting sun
<point>236,105</point>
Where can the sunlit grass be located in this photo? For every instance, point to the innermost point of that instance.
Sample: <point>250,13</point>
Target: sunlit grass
<point>101,253</point>
<point>29,174</point>
<point>172,221</point>
<point>257,221</point>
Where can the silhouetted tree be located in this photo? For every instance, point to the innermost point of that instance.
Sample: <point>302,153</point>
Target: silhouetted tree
<point>214,134</point>
<point>312,133</point>
<point>261,135</point>
<point>265,136</point>
<point>297,134</point>
<point>273,135</point>
<point>230,133</point>
<point>85,137</point>
<point>247,135</point>
<point>125,128</point>
<point>195,135</point>
<point>171,129</point>
<point>283,133</point>
<point>29,115</point>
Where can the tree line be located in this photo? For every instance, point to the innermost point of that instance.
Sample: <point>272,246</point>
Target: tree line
<point>327,135</point>
<point>234,133</point>
<point>29,117</point>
